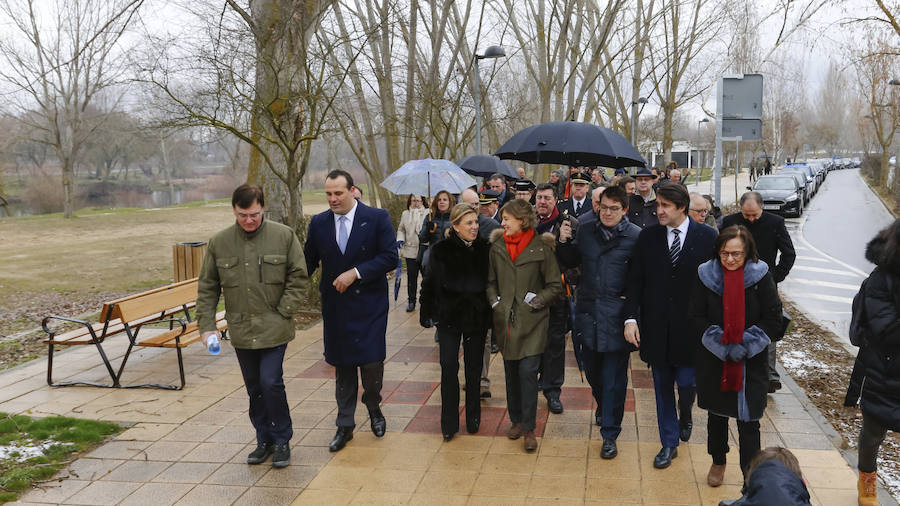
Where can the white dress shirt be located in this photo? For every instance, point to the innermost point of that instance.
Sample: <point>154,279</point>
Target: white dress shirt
<point>576,203</point>
<point>337,228</point>
<point>670,236</point>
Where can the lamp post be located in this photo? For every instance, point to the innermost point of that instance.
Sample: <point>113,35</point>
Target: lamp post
<point>490,52</point>
<point>704,120</point>
<point>634,117</point>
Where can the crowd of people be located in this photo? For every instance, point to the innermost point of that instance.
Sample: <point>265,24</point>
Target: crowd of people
<point>631,263</point>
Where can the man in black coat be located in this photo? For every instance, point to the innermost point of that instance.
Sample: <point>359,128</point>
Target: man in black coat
<point>662,274</point>
<point>642,206</point>
<point>772,238</point>
<point>578,203</point>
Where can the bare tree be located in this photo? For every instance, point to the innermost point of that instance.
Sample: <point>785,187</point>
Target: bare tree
<point>874,70</point>
<point>59,55</point>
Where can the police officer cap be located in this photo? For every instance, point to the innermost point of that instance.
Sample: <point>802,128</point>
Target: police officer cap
<point>487,197</point>
<point>581,177</point>
<point>525,185</point>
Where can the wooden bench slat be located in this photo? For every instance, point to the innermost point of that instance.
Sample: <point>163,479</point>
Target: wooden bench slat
<point>191,335</point>
<point>107,305</point>
<point>155,303</point>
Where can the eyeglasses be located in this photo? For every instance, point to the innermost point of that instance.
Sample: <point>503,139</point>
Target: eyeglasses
<point>701,211</point>
<point>245,216</point>
<point>613,209</point>
<point>737,255</point>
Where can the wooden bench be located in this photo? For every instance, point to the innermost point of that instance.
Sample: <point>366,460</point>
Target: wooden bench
<point>168,305</point>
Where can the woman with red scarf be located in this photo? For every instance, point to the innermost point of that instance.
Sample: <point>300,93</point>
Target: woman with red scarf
<point>734,310</point>
<point>523,281</point>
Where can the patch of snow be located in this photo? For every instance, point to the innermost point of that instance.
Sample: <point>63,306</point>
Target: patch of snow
<point>22,452</point>
<point>799,363</point>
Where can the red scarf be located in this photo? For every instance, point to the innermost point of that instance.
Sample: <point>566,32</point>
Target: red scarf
<point>733,333</point>
<point>516,244</point>
<point>553,215</point>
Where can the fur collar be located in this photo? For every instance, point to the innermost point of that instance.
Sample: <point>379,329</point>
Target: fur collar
<point>875,254</point>
<point>548,238</point>
<point>711,276</point>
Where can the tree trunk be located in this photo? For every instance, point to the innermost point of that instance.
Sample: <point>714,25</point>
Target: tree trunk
<point>68,184</point>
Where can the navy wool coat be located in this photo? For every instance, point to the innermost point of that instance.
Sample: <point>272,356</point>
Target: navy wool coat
<point>355,321</point>
<point>600,299</point>
<point>657,295</point>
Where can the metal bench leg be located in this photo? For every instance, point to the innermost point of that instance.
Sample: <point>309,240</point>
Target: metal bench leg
<point>50,363</point>
<point>124,359</point>
<point>180,366</point>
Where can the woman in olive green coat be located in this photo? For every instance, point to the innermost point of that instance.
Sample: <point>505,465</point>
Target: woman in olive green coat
<point>523,281</point>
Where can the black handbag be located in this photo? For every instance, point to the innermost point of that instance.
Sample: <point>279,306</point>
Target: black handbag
<point>785,324</point>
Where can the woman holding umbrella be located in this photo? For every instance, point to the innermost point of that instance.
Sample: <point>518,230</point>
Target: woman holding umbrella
<point>436,224</point>
<point>735,310</point>
<point>453,295</point>
<point>523,281</point>
<point>408,241</point>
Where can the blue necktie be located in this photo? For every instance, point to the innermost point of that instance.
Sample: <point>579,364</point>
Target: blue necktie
<point>675,250</point>
<point>342,233</point>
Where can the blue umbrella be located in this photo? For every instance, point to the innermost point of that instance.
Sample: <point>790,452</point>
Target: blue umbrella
<point>398,274</point>
<point>486,166</point>
<point>428,177</point>
<point>571,143</point>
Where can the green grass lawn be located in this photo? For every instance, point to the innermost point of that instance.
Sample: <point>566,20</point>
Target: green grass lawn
<point>32,451</point>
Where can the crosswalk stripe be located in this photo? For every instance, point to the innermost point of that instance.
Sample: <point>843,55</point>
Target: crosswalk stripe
<point>818,296</point>
<point>825,271</point>
<point>805,258</point>
<point>828,284</point>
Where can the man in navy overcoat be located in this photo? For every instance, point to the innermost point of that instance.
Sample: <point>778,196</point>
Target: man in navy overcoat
<point>356,246</point>
<point>661,276</point>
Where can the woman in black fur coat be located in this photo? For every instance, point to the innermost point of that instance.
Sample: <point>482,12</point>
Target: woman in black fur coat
<point>453,298</point>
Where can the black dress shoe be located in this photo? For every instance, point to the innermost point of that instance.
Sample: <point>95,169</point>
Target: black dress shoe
<point>379,425</point>
<point>494,348</point>
<point>609,449</point>
<point>774,386</point>
<point>341,437</point>
<point>664,458</point>
<point>598,418</point>
<point>260,454</point>
<point>473,425</point>
<point>684,432</point>
<point>485,394</point>
<point>448,436</point>
<point>282,456</point>
<point>555,405</point>
<point>411,307</point>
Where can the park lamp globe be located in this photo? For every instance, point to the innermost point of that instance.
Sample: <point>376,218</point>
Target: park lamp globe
<point>492,52</point>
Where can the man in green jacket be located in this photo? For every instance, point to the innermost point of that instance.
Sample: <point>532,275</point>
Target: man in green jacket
<point>259,266</point>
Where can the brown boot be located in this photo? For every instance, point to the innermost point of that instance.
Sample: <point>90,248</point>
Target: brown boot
<point>530,441</point>
<point>867,486</point>
<point>514,431</point>
<point>716,475</point>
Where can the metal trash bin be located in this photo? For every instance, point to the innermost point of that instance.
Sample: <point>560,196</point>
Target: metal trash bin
<point>187,259</point>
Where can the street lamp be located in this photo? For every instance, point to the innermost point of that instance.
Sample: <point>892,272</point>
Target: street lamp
<point>634,117</point>
<point>894,82</point>
<point>490,52</point>
<point>704,120</point>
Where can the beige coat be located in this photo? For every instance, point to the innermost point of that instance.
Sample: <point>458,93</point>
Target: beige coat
<point>408,231</point>
<point>521,330</point>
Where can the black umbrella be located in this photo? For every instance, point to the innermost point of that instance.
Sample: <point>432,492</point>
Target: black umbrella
<point>571,143</point>
<point>486,166</point>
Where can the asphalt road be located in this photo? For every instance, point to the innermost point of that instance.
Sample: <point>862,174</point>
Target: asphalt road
<point>830,239</point>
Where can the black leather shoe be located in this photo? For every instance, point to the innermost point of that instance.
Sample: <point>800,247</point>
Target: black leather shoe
<point>341,437</point>
<point>664,458</point>
<point>684,432</point>
<point>555,405</point>
<point>282,456</point>
<point>411,307</point>
<point>774,386</point>
<point>485,394</point>
<point>260,454</point>
<point>379,425</point>
<point>473,425</point>
<point>609,449</point>
<point>448,436</point>
<point>598,418</point>
<point>494,348</point>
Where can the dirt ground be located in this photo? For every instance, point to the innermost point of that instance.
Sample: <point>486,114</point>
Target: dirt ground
<point>821,366</point>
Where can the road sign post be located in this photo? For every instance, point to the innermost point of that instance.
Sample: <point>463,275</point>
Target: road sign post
<point>738,117</point>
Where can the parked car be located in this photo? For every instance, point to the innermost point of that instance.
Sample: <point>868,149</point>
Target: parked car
<point>781,194</point>
<point>806,170</point>
<point>802,183</point>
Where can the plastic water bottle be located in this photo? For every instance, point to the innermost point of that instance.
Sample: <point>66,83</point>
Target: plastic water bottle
<point>212,345</point>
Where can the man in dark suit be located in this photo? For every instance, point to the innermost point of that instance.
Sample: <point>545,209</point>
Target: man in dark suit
<point>772,238</point>
<point>661,276</point>
<point>578,202</point>
<point>356,247</point>
<point>642,206</point>
<point>497,183</point>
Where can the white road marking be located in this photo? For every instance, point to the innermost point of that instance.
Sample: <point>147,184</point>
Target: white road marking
<point>829,298</point>
<point>827,284</point>
<point>826,271</point>
<point>822,253</point>
<point>812,259</point>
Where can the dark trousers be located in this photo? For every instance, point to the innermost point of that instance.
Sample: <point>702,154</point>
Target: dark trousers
<point>473,352</point>
<point>664,380</point>
<point>607,373</point>
<point>870,438</point>
<point>717,441</point>
<point>269,412</point>
<point>521,390</point>
<point>346,389</point>
<point>552,372</point>
<point>412,278</point>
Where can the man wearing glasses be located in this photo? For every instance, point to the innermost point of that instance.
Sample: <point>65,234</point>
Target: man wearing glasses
<point>602,247</point>
<point>699,209</point>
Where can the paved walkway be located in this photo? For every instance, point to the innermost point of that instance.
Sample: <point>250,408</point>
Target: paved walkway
<point>189,447</point>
